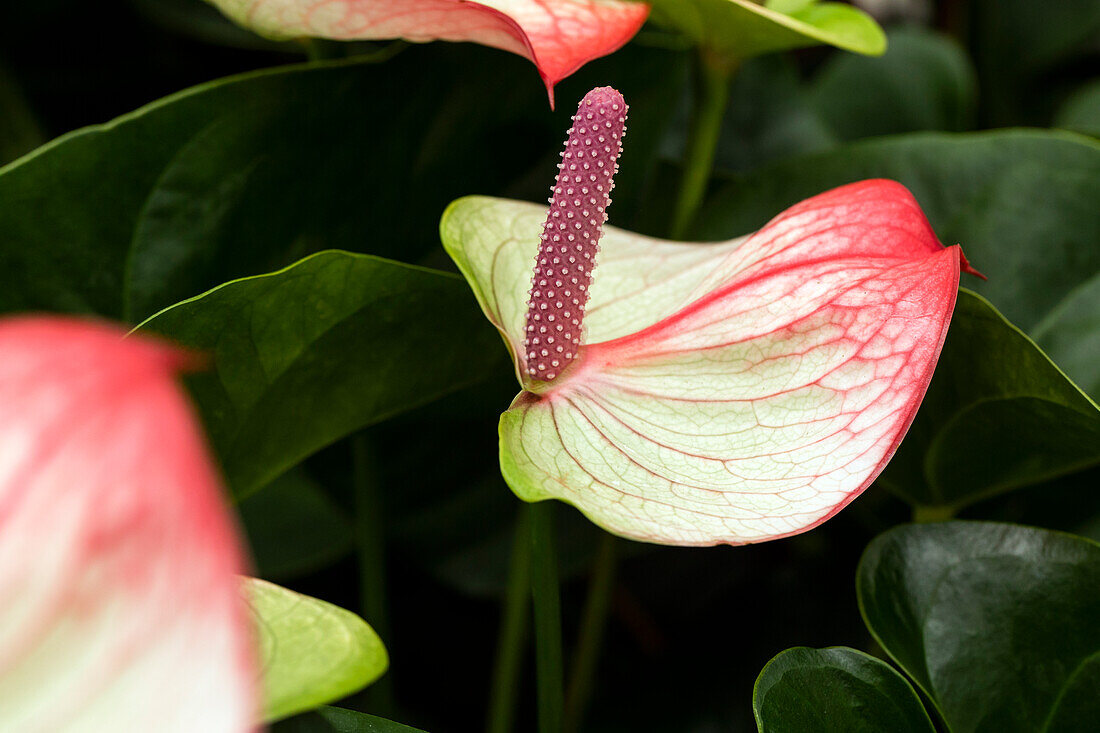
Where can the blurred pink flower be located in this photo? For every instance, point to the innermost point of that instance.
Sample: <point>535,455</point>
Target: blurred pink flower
<point>558,36</point>
<point>120,607</point>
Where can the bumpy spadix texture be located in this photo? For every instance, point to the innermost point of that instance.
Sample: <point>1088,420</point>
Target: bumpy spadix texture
<point>570,237</point>
<point>559,36</point>
<point>725,393</point>
<point>118,564</point>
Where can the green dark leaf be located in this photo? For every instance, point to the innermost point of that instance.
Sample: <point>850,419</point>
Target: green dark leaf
<point>997,623</point>
<point>1081,112</point>
<point>311,652</point>
<point>248,174</point>
<point>294,528</point>
<point>741,29</point>
<point>1021,203</point>
<point>339,720</point>
<point>1070,334</point>
<point>924,82</point>
<point>806,690</point>
<point>19,132</point>
<point>307,355</point>
<point>998,415</point>
<point>1017,43</point>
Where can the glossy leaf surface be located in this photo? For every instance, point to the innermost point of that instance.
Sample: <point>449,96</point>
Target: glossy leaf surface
<point>805,690</point>
<point>248,174</point>
<point>558,36</point>
<point>312,652</point>
<point>741,29</point>
<point>727,393</point>
<point>995,622</point>
<point>306,355</point>
<point>118,561</point>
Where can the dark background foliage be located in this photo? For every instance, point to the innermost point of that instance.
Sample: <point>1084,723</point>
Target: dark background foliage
<point>690,628</point>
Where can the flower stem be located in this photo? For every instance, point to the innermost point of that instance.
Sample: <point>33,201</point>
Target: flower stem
<point>547,603</point>
<point>590,639</point>
<point>371,544</point>
<point>511,641</point>
<point>711,96</point>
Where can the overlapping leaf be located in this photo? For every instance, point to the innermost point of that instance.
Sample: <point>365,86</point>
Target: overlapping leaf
<point>306,355</point>
<point>311,652</point>
<point>248,174</point>
<point>734,392</point>
<point>995,622</point>
<point>805,690</point>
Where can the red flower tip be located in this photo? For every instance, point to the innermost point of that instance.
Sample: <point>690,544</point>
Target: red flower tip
<point>571,235</point>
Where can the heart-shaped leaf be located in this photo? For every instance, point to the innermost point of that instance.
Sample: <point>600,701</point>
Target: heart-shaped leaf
<point>312,652</point>
<point>998,415</point>
<point>338,720</point>
<point>805,690</point>
<point>727,393</point>
<point>309,354</point>
<point>741,29</point>
<point>248,174</point>
<point>558,36</point>
<point>997,623</point>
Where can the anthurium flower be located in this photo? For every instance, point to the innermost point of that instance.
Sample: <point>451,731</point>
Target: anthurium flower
<point>706,393</point>
<point>120,606</point>
<point>558,36</point>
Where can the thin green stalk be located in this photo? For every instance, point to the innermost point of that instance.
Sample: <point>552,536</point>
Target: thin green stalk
<point>711,97</point>
<point>590,639</point>
<point>512,639</point>
<point>924,514</point>
<point>547,603</point>
<point>371,547</point>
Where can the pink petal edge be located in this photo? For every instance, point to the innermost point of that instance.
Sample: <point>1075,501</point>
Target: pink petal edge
<point>558,36</point>
<point>119,564</point>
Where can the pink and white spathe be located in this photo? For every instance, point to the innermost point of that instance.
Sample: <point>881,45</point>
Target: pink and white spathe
<point>724,393</point>
<point>558,36</point>
<point>120,607</point>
